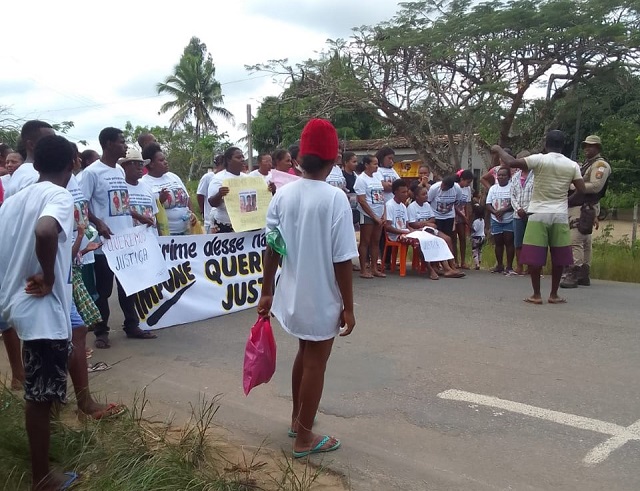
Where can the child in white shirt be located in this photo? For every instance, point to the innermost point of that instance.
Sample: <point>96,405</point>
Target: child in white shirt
<point>35,293</point>
<point>314,220</point>
<point>477,235</point>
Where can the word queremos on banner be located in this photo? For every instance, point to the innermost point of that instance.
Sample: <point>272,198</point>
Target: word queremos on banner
<point>209,276</point>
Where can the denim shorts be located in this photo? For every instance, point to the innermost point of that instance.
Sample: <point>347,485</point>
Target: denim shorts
<point>76,320</point>
<point>498,228</point>
<point>519,227</point>
<point>3,325</point>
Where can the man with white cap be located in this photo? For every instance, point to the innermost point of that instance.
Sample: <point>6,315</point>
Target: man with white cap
<point>595,172</point>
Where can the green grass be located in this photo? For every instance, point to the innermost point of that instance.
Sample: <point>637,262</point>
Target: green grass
<point>132,454</point>
<point>614,260</point>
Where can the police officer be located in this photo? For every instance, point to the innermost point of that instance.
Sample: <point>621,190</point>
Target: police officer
<point>595,172</point>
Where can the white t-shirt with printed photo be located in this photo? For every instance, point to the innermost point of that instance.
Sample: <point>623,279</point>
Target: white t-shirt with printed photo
<point>371,188</point>
<point>142,201</point>
<point>417,213</point>
<point>336,178</point>
<point>316,223</point>
<point>203,188</point>
<point>443,202</point>
<point>397,215</point>
<point>500,197</point>
<point>24,176</point>
<point>220,213</point>
<point>553,173</point>
<point>105,188</point>
<point>177,205</point>
<point>80,216</point>
<point>387,174</point>
<point>33,317</point>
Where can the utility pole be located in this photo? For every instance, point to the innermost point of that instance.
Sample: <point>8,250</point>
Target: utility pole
<point>249,138</point>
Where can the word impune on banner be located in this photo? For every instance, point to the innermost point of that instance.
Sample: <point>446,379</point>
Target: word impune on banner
<point>135,258</point>
<point>209,275</point>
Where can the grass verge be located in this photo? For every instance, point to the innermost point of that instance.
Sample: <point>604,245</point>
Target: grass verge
<point>130,453</point>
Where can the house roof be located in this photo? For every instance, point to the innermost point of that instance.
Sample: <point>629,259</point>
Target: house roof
<point>398,142</point>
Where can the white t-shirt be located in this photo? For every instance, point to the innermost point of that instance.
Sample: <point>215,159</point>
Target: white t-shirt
<point>316,224</point>
<point>443,202</point>
<point>336,178</point>
<point>500,197</point>
<point>203,188</point>
<point>417,213</point>
<point>371,188</point>
<point>24,176</point>
<point>108,196</point>
<point>397,215</point>
<point>477,228</point>
<point>33,317</point>
<point>553,173</point>
<point>142,201</point>
<point>387,175</point>
<point>177,205</point>
<point>220,213</point>
<point>256,173</point>
<point>80,216</point>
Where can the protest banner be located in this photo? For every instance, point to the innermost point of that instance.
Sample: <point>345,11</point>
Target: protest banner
<point>134,257</point>
<point>247,202</point>
<point>210,275</point>
<point>280,178</point>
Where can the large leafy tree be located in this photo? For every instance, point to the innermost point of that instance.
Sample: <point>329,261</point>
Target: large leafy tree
<point>196,94</point>
<point>456,66</point>
<point>280,120</point>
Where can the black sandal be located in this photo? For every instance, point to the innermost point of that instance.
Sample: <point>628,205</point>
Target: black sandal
<point>102,342</point>
<point>140,334</point>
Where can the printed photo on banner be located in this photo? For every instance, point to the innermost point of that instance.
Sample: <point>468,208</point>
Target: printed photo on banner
<point>247,202</point>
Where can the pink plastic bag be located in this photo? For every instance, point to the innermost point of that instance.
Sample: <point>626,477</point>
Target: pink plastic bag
<point>259,355</point>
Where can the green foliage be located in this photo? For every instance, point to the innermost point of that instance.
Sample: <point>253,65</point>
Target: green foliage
<point>460,67</point>
<point>181,147</point>
<point>196,95</point>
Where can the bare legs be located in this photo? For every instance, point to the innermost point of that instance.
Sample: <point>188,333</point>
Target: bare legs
<point>14,353</point>
<point>307,384</point>
<point>79,375</point>
<point>369,240</point>
<point>556,276</point>
<point>460,237</point>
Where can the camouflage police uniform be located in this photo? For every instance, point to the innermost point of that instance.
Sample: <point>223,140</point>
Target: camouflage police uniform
<point>595,172</point>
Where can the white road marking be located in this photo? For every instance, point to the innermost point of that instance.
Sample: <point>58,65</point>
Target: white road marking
<point>620,435</point>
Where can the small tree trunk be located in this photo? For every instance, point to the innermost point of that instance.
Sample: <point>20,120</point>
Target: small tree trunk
<point>192,164</point>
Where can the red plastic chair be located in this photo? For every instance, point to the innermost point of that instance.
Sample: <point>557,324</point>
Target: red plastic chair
<point>401,247</point>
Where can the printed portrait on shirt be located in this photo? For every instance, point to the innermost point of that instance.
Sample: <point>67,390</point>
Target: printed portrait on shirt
<point>118,202</point>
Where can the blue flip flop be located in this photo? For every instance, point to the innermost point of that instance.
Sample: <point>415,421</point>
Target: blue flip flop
<point>318,448</point>
<point>73,477</point>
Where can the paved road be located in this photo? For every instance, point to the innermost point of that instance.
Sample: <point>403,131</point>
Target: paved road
<point>416,339</point>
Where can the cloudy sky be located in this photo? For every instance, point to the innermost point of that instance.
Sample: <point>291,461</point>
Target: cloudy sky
<point>98,63</point>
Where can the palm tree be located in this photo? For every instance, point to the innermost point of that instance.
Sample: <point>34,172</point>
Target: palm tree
<point>196,93</point>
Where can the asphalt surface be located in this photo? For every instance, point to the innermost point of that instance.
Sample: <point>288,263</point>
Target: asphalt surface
<point>416,338</point>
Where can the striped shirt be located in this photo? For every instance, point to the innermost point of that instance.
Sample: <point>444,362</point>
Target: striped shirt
<point>521,192</point>
<point>554,173</point>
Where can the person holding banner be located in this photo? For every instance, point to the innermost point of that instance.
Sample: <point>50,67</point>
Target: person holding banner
<point>142,203</point>
<point>313,299</point>
<point>233,163</point>
<point>169,189</point>
<point>102,184</point>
